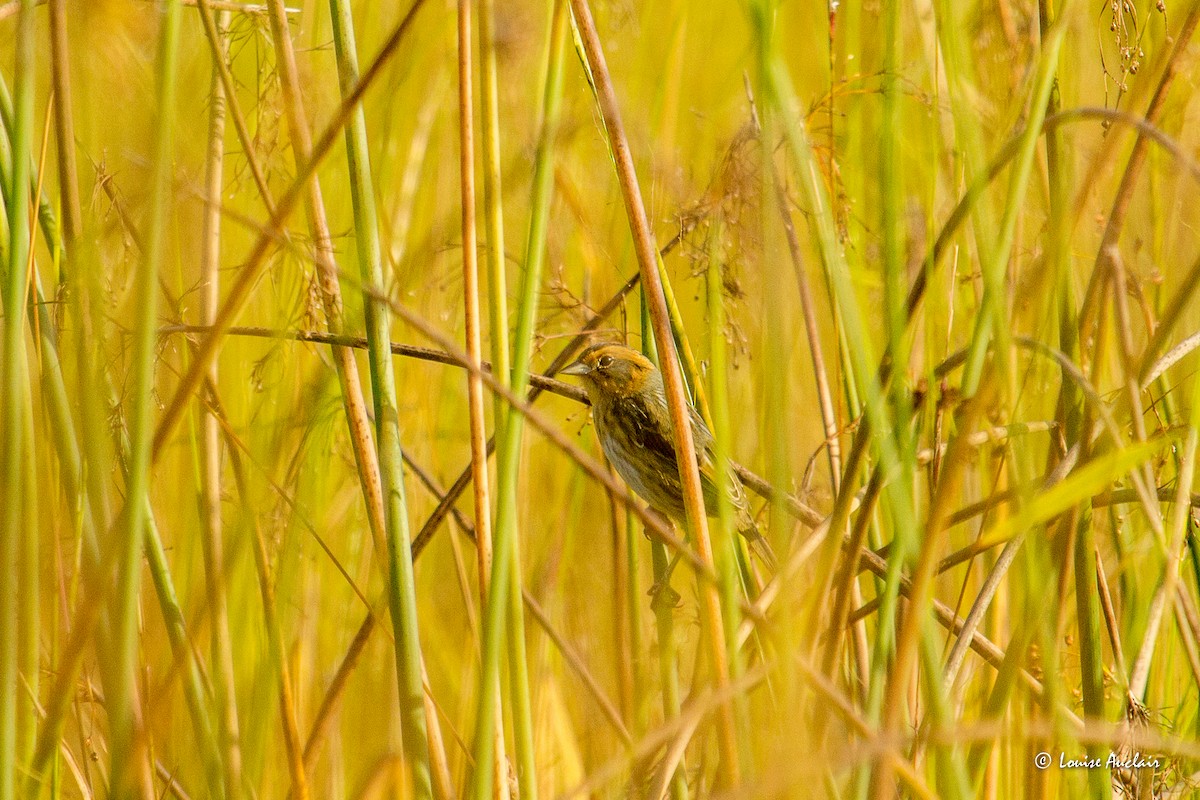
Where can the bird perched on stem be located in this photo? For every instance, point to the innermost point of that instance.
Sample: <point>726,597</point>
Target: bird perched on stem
<point>629,408</point>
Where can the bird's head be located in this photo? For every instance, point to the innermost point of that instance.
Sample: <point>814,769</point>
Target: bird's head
<point>611,371</point>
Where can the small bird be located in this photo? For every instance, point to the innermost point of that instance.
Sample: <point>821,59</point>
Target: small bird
<point>633,422</point>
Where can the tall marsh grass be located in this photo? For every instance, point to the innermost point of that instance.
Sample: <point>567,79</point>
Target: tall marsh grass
<point>279,280</point>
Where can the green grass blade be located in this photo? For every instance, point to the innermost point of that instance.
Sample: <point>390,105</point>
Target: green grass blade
<point>122,714</point>
<point>402,588</point>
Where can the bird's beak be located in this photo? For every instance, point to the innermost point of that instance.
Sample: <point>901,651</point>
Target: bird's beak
<point>578,368</point>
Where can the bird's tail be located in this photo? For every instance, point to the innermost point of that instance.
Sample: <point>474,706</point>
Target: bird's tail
<point>757,542</point>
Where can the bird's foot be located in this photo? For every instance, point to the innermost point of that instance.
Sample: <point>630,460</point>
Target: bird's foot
<point>663,597</point>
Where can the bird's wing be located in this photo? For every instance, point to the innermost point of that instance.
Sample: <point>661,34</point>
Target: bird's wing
<point>707,457</point>
<point>656,437</point>
<point>651,431</point>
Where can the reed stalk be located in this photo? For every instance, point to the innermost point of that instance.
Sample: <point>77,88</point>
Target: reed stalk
<point>647,254</point>
<point>493,198</point>
<point>402,584</point>
<point>213,540</point>
<point>478,468</point>
<point>664,614</point>
<point>1070,401</point>
<point>354,404</point>
<point>122,692</point>
<point>64,128</point>
<point>277,654</point>
<point>12,402</point>
<point>504,595</point>
<point>891,204</point>
<point>725,547</point>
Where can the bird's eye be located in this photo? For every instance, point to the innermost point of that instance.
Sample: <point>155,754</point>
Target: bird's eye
<point>604,362</point>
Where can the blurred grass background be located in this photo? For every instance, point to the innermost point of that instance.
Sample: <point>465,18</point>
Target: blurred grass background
<point>212,643</point>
